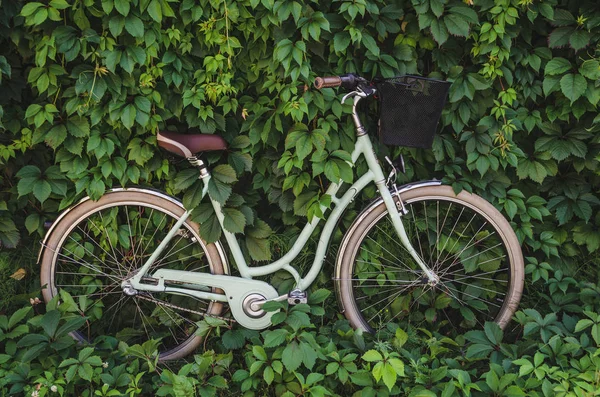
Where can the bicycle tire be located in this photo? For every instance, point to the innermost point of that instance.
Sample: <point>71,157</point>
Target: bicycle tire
<point>99,243</point>
<point>364,265</point>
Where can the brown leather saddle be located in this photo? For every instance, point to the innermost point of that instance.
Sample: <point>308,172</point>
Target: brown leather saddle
<point>188,145</point>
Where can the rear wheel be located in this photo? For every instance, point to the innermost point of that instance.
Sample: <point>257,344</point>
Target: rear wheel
<point>99,244</point>
<point>466,242</point>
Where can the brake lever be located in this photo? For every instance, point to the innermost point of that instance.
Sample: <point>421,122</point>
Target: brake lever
<point>352,95</point>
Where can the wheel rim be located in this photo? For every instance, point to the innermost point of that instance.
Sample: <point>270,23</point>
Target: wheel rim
<point>107,245</point>
<point>461,244</point>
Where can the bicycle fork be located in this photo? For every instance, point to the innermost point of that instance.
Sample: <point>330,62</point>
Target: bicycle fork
<point>365,145</point>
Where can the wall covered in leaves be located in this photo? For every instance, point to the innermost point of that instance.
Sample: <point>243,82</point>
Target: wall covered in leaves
<point>87,84</point>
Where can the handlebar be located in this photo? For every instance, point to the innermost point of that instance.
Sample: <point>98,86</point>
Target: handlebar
<point>348,81</point>
<point>327,82</point>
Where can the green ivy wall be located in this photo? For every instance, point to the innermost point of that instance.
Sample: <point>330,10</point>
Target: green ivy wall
<point>85,85</point>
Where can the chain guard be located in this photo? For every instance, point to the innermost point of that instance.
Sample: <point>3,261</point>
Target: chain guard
<point>236,289</point>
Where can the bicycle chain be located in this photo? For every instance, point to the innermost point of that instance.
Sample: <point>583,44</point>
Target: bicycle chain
<point>204,314</point>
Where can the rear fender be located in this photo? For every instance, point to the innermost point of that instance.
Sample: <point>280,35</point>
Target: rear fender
<point>152,192</point>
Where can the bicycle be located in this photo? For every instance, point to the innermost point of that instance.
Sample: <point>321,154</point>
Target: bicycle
<point>139,268</point>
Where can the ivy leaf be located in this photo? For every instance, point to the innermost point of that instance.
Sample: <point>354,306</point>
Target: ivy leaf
<point>260,230</point>
<point>292,356</point>
<point>585,234</point>
<point>479,350</point>
<point>128,116</point>
<point>224,173</point>
<point>122,7</point>
<point>210,228</point>
<point>186,178</point>
<point>78,127</point>
<point>234,221</point>
<point>275,338</point>
<point>466,12</point>
<point>456,25</point>
<point>389,376</point>
<point>563,17</point>
<point>560,37</point>
<point>341,41</point>
<point>437,7</point>
<point>56,136</point>
<point>29,8</point>
<point>439,31</point>
<point>551,84</point>
<point>372,355</point>
<point>573,86</point>
<point>9,234</point>
<point>579,39</point>
<point>590,69</point>
<point>218,190</point>
<point>240,161</point>
<point>531,169</point>
<point>557,66</point>
<point>155,10</point>
<point>370,44</point>
<point>134,26</point>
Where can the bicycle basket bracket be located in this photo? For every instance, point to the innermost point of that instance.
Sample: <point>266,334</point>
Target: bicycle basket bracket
<point>410,108</point>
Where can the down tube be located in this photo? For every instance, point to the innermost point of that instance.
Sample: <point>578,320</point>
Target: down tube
<point>325,236</point>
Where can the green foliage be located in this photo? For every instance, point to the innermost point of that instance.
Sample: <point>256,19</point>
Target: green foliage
<point>102,79</point>
<point>86,85</point>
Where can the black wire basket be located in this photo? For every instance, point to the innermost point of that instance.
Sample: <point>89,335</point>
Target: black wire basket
<point>410,109</point>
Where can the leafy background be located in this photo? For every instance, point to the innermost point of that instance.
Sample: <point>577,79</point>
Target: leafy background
<point>86,84</point>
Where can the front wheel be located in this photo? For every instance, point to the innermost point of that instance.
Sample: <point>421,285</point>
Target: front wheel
<point>467,243</point>
<point>98,244</point>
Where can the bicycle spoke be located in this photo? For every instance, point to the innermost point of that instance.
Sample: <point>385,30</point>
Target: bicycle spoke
<point>457,240</point>
<point>82,274</point>
<point>160,262</point>
<point>400,245</point>
<point>398,289</point>
<point>478,287</point>
<point>390,298</point>
<point>417,234</point>
<point>407,267</point>
<point>442,228</point>
<point>459,270</point>
<point>89,252</point>
<point>115,260</point>
<point>175,322</point>
<point>140,254</point>
<point>472,296</point>
<point>87,265</point>
<point>103,295</point>
<point>142,317</point>
<point>131,239</point>
<point>426,289</point>
<point>471,257</point>
<point>171,248</point>
<point>153,234</point>
<point>111,244</point>
<point>120,303</point>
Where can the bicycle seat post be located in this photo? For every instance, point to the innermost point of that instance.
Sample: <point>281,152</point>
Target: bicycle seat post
<point>196,162</point>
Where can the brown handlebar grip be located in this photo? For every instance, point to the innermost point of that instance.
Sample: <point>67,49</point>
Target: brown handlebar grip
<point>326,82</point>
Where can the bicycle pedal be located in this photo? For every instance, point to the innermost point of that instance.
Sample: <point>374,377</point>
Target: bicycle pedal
<point>295,297</point>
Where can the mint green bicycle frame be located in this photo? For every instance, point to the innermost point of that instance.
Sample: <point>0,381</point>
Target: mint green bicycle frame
<point>197,283</point>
